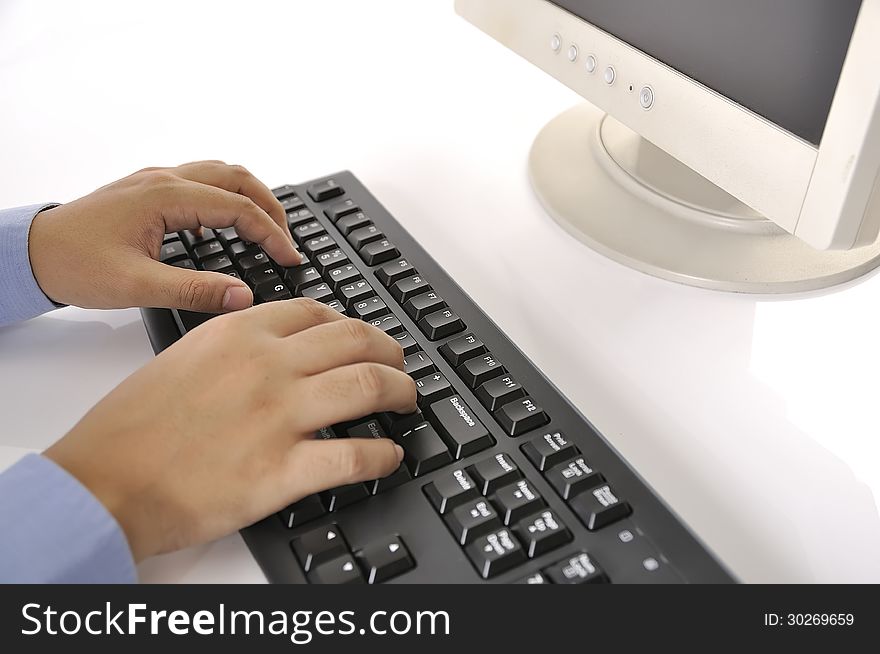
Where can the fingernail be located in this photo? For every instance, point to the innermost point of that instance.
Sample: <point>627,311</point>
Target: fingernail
<point>237,298</point>
<point>399,451</point>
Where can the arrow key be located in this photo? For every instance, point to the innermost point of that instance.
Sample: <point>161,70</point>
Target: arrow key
<point>319,545</point>
<point>384,559</point>
<point>341,570</point>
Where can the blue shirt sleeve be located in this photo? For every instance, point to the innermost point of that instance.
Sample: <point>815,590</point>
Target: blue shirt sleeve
<point>20,295</point>
<point>53,530</point>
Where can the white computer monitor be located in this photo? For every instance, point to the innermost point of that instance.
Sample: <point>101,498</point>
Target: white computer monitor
<point>731,145</point>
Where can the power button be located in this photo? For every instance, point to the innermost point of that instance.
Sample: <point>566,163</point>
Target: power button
<point>646,97</point>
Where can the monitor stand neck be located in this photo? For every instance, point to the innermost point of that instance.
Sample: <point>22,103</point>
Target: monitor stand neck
<point>627,199</point>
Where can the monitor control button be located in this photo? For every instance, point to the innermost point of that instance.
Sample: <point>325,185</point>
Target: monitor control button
<point>572,53</point>
<point>556,43</point>
<point>590,63</point>
<point>609,75</point>
<point>646,97</point>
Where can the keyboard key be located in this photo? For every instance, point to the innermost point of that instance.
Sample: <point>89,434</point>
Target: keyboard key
<point>284,191</point>
<point>421,305</point>
<point>255,260</point>
<point>240,249</point>
<point>221,264</point>
<point>336,305</point>
<point>572,477</point>
<point>499,391</point>
<point>170,237</point>
<point>394,271</point>
<point>319,545</point>
<point>407,342</point>
<point>353,221</point>
<point>330,259</point>
<point>272,292</point>
<point>495,553</point>
<point>367,429</point>
<point>173,251</point>
<point>342,275</point>
<point>341,570</point>
<point>520,416</point>
<point>292,203</point>
<point>471,520</point>
<point>308,508</point>
<point>194,238</point>
<point>384,559</point>
<point>298,217</point>
<point>578,569</point>
<point>400,423</point>
<point>208,250</point>
<point>549,450</point>
<point>533,579</point>
<point>460,349</point>
<point>227,235</point>
<point>342,496</point>
<point>431,388</point>
<point>463,433</point>
<point>326,190</point>
<point>477,371</point>
<point>262,275</point>
<point>424,449</point>
<point>395,479</point>
<point>363,235</point>
<point>378,252</point>
<point>314,246</point>
<point>321,293</point>
<point>599,506</point>
<point>185,263</point>
<point>368,309</point>
<point>389,324</point>
<point>517,500</point>
<point>306,231</point>
<point>542,532</point>
<point>418,365</point>
<point>407,288</point>
<point>494,472</point>
<point>300,278</point>
<point>441,324</point>
<point>354,292</point>
<point>340,209</point>
<point>451,490</point>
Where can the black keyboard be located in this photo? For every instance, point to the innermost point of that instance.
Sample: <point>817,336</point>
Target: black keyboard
<point>503,480</point>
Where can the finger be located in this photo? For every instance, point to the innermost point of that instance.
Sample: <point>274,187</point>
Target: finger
<point>353,391</point>
<point>189,205</point>
<point>341,343</point>
<point>287,317</point>
<point>236,179</point>
<point>316,465</point>
<point>160,285</point>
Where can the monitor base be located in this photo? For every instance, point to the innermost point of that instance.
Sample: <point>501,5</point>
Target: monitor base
<point>627,199</point>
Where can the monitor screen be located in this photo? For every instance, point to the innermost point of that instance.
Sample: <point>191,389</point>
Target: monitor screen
<point>780,58</point>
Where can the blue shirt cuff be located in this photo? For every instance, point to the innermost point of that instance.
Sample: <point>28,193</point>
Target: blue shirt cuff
<point>20,295</point>
<point>53,530</point>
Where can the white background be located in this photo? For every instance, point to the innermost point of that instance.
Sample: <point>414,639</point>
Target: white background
<point>754,418</point>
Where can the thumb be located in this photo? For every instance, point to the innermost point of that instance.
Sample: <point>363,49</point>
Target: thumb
<point>178,288</point>
<point>316,465</point>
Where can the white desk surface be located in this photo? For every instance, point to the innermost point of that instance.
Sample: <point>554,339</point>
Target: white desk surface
<point>754,418</point>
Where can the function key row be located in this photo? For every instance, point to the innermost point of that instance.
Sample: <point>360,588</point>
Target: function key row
<point>494,386</point>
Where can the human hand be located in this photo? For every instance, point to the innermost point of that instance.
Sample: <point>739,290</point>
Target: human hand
<point>101,251</point>
<point>218,431</point>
